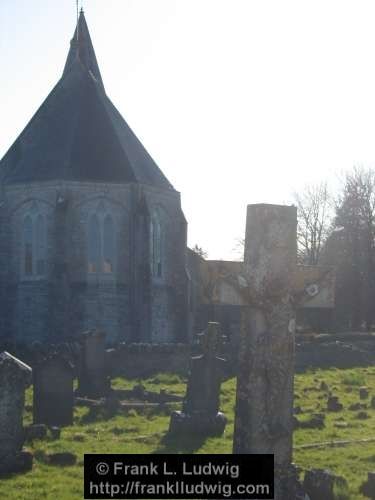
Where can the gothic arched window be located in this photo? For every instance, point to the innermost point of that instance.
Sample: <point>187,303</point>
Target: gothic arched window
<point>40,245</point>
<point>94,245</point>
<point>28,246</point>
<point>108,245</point>
<point>101,242</point>
<point>156,246</point>
<point>34,258</point>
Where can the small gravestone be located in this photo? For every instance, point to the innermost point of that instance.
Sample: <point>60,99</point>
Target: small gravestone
<point>323,386</point>
<point>15,377</point>
<point>321,484</point>
<point>62,459</point>
<point>362,415</point>
<point>55,432</point>
<point>93,378</point>
<point>53,392</point>
<point>368,488</point>
<point>36,431</point>
<point>363,392</point>
<point>333,404</point>
<point>200,412</point>
<point>357,406</point>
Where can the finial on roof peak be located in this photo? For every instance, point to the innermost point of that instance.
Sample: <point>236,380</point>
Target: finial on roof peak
<point>81,49</point>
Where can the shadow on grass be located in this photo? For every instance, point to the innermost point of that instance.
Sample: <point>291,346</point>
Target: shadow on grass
<point>179,444</point>
<point>96,414</point>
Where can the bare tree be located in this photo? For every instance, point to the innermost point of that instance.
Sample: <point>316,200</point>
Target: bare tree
<point>239,250</point>
<point>314,221</point>
<point>199,250</point>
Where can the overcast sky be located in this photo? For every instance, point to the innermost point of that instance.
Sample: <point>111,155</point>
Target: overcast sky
<point>238,101</point>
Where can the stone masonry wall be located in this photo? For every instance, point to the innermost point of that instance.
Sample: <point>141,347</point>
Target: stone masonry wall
<point>68,299</point>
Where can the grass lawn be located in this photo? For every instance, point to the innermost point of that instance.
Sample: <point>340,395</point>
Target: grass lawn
<point>143,433</point>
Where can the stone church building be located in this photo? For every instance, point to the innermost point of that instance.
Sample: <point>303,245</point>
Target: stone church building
<point>92,234</point>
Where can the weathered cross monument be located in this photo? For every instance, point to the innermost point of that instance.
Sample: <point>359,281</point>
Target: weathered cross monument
<point>269,286</point>
<point>264,406</point>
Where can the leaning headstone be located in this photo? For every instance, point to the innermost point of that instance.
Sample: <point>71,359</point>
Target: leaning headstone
<point>200,411</point>
<point>15,377</point>
<point>264,406</point>
<point>93,378</point>
<point>53,392</point>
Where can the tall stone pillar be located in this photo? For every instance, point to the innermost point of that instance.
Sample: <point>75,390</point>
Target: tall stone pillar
<point>264,406</point>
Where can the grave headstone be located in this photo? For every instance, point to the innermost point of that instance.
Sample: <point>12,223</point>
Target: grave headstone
<point>363,392</point>
<point>320,484</point>
<point>53,397</point>
<point>368,488</point>
<point>93,378</point>
<point>200,411</point>
<point>15,377</point>
<point>333,404</point>
<point>36,431</point>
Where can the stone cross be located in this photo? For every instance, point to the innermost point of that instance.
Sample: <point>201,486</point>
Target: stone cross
<point>53,398</point>
<point>200,412</point>
<point>269,286</point>
<point>93,379</point>
<point>264,405</point>
<point>15,377</point>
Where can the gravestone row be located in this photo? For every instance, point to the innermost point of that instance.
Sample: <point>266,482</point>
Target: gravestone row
<point>53,396</point>
<point>53,376</point>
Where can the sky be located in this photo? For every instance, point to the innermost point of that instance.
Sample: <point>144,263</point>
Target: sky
<point>237,101</point>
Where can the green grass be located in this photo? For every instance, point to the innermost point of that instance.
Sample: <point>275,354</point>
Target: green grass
<point>352,377</point>
<point>98,432</point>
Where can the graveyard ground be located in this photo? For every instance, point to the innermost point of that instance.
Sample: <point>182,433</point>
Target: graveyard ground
<point>103,432</point>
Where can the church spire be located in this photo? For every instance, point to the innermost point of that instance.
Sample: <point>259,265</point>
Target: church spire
<point>81,49</point>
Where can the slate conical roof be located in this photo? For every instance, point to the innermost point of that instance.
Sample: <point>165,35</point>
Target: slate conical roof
<point>77,133</point>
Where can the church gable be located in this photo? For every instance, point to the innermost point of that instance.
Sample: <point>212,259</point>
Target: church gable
<point>78,134</point>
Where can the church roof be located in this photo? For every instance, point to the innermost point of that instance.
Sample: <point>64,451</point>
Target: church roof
<point>77,133</point>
